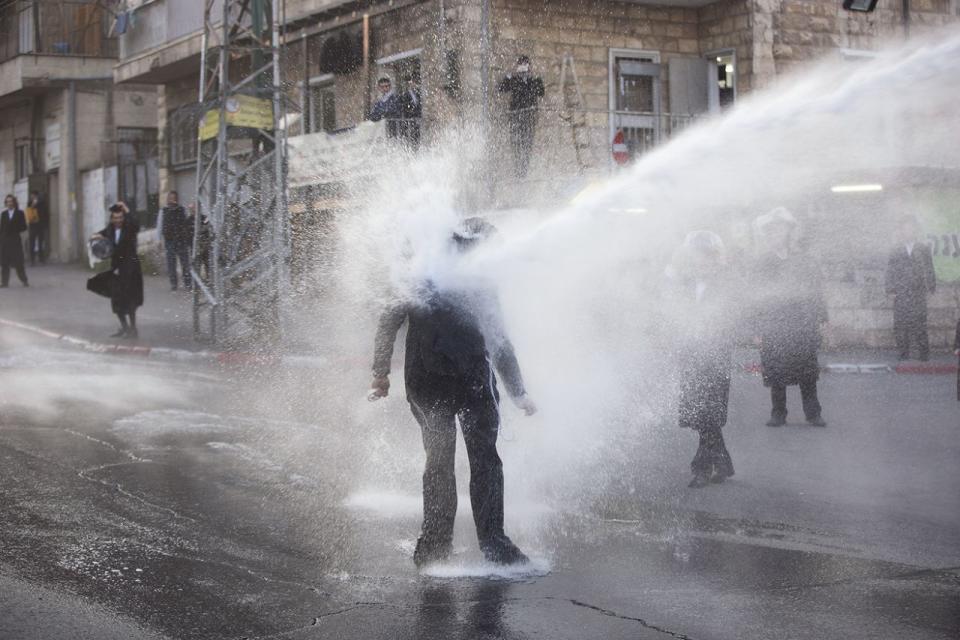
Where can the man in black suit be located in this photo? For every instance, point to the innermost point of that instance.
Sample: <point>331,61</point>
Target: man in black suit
<point>526,90</point>
<point>910,278</point>
<point>12,223</point>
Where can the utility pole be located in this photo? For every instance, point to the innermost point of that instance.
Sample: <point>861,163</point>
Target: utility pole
<point>241,232</point>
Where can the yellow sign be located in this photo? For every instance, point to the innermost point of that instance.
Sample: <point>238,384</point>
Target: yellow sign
<point>242,111</point>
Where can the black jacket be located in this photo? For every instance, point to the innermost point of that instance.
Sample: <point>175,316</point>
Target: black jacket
<point>176,225</point>
<point>524,91</point>
<point>127,292</point>
<point>447,343</point>
<point>11,247</point>
<point>911,275</point>
<point>789,310</point>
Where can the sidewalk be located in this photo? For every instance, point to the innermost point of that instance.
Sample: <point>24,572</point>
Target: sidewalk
<point>58,305</point>
<point>57,300</point>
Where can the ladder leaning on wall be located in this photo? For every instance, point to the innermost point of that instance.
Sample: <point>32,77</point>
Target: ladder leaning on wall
<point>573,112</point>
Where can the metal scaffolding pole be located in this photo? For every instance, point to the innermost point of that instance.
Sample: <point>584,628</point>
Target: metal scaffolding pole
<point>241,229</point>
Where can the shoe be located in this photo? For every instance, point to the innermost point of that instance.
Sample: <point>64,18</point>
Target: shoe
<point>121,332</point>
<point>431,553</point>
<point>721,471</point>
<point>700,480</point>
<point>925,358</point>
<point>173,287</point>
<point>503,551</point>
<point>4,286</point>
<point>26,284</point>
<point>817,422</point>
<point>132,333</point>
<point>903,356</point>
<point>776,421</point>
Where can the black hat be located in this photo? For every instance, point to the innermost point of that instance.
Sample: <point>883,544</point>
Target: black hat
<point>115,208</point>
<point>101,248</point>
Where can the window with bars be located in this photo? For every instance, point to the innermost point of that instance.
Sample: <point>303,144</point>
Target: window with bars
<point>22,165</point>
<point>182,127</point>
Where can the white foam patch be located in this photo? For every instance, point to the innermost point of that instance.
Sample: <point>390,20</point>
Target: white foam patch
<point>247,454</point>
<point>388,504</point>
<point>536,568</point>
<point>173,421</point>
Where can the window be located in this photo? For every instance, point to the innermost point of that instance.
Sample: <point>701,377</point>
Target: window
<point>22,166</point>
<point>634,100</point>
<point>635,84</point>
<point>138,172</point>
<point>321,112</point>
<point>726,65</point>
<point>182,127</point>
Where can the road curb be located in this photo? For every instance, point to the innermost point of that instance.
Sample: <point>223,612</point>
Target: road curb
<point>922,368</point>
<point>169,354</point>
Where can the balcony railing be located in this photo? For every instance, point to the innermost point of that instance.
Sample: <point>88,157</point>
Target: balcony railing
<point>56,28</point>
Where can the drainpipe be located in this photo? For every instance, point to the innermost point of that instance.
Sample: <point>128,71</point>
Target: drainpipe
<point>72,169</point>
<point>906,18</point>
<point>485,59</point>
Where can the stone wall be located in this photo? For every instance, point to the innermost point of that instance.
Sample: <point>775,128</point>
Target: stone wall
<point>727,25</point>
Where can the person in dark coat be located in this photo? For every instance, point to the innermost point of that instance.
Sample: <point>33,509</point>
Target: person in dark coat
<point>387,107</point>
<point>13,222</point>
<point>126,286</point>
<point>790,311</point>
<point>455,339</point>
<point>38,225</point>
<point>176,231</point>
<point>956,352</point>
<point>411,110</point>
<point>701,299</point>
<point>525,91</point>
<point>910,277</point>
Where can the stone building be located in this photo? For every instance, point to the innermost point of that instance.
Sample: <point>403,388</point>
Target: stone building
<point>66,130</point>
<point>641,70</point>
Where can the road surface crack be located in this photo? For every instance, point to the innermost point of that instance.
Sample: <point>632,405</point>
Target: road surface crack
<point>620,616</point>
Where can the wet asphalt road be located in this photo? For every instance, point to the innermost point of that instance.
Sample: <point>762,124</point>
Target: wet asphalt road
<point>146,500</point>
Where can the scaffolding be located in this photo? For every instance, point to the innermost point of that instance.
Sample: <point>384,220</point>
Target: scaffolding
<point>241,227</point>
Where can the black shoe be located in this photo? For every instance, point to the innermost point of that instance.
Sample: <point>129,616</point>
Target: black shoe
<point>903,356</point>
<point>776,421</point>
<point>132,333</point>
<point>26,284</point>
<point>173,287</point>
<point>700,480</point>
<point>4,286</point>
<point>503,551</point>
<point>817,422</point>
<point>925,357</point>
<point>431,553</point>
<point>721,471</point>
<point>121,333</point>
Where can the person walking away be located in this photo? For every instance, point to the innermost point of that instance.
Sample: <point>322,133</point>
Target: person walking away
<point>956,352</point>
<point>176,232</point>
<point>13,222</point>
<point>126,287</point>
<point>910,277</point>
<point>525,91</point>
<point>701,303</point>
<point>455,340</point>
<point>790,311</point>
<point>37,225</point>
<point>387,106</point>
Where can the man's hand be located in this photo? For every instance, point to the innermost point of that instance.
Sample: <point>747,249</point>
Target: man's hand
<point>525,404</point>
<point>379,388</point>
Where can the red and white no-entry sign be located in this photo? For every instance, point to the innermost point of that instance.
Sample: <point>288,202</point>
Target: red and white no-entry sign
<point>621,155</point>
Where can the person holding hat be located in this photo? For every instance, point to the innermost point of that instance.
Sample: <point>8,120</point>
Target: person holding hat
<point>790,311</point>
<point>702,300</point>
<point>455,340</point>
<point>125,285</point>
<point>525,91</point>
<point>13,222</point>
<point>387,106</point>
<point>910,277</point>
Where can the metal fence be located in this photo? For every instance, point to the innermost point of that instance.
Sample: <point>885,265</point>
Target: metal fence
<point>56,27</point>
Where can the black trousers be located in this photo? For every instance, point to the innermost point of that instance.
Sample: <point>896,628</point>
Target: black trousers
<point>178,251</point>
<point>477,411</point>
<point>910,325</point>
<point>808,395</point>
<point>37,239</point>
<point>522,127</point>
<point>712,451</point>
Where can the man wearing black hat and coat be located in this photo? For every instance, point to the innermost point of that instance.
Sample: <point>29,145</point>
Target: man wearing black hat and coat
<point>525,91</point>
<point>910,277</point>
<point>12,223</point>
<point>455,340</point>
<point>123,283</point>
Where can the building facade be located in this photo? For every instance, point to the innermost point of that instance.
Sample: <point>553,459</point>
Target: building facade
<point>66,129</point>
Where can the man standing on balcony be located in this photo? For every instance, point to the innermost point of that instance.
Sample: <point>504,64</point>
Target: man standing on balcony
<point>387,106</point>
<point>176,235</point>
<point>910,277</point>
<point>525,91</point>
